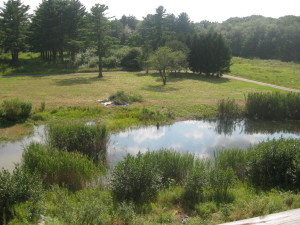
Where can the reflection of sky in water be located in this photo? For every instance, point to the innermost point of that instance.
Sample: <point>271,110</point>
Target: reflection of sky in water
<point>199,137</point>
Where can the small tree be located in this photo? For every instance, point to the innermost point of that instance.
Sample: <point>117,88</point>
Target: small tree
<point>162,60</point>
<point>14,26</point>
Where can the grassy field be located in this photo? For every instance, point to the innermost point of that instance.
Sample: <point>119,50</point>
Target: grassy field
<point>268,71</point>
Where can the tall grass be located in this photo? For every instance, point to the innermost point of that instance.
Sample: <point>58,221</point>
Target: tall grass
<point>273,106</point>
<point>72,170</point>
<point>228,109</point>
<point>15,109</point>
<point>122,98</point>
<point>90,140</point>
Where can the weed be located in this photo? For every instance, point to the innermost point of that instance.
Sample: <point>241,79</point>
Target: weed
<point>121,98</point>
<point>15,109</point>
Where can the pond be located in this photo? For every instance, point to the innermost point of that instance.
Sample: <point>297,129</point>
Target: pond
<point>199,137</point>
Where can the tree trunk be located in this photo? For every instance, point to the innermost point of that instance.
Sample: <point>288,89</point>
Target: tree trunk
<point>100,66</point>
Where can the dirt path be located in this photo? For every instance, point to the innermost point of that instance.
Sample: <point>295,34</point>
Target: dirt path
<point>226,76</point>
<point>261,83</point>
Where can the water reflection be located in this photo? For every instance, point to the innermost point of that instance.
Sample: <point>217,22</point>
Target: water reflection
<point>200,137</point>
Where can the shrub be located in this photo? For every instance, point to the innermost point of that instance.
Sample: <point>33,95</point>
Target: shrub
<point>122,98</point>
<point>220,181</point>
<point>135,179</point>
<point>228,109</point>
<point>193,191</point>
<point>132,60</point>
<point>275,163</point>
<point>72,170</point>
<point>273,106</point>
<point>90,140</point>
<point>15,109</point>
<point>18,187</point>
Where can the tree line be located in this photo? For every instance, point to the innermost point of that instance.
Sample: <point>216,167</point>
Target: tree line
<point>65,26</point>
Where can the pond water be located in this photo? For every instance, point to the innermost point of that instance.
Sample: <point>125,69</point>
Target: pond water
<point>199,137</point>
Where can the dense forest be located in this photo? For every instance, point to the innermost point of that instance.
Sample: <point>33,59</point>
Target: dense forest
<point>65,26</point>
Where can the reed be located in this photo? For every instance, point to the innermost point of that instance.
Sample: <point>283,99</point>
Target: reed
<point>90,140</point>
<point>228,109</point>
<point>72,170</point>
<point>273,106</point>
<point>15,109</point>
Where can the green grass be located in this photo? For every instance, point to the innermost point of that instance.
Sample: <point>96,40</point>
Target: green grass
<point>268,71</point>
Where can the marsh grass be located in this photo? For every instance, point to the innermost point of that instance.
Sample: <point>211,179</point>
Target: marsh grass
<point>273,106</point>
<point>228,109</point>
<point>72,170</point>
<point>90,140</point>
<point>122,98</point>
<point>15,109</point>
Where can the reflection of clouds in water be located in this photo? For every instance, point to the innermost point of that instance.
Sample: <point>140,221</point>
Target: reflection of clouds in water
<point>196,134</point>
<point>200,124</point>
<point>151,133</point>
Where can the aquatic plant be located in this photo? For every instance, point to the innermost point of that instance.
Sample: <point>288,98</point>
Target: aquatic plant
<point>15,109</point>
<point>90,140</point>
<point>273,106</point>
<point>72,170</point>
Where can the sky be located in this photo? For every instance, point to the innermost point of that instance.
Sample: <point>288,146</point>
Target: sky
<point>211,10</point>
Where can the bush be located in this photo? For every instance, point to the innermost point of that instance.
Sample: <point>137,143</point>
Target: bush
<point>18,187</point>
<point>275,163</point>
<point>15,109</point>
<point>122,98</point>
<point>197,181</point>
<point>273,106</point>
<point>135,179</point>
<point>90,140</point>
<point>72,170</point>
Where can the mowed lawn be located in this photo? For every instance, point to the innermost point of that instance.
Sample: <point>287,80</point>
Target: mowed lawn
<point>268,71</point>
<point>85,89</point>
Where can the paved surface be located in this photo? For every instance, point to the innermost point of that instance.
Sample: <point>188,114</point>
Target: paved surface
<point>226,76</point>
<point>291,217</point>
<point>261,83</point>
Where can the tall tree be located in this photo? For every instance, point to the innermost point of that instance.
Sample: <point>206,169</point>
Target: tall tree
<point>99,33</point>
<point>14,24</point>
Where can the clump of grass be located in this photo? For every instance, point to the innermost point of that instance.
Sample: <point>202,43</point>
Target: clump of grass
<point>90,140</point>
<point>228,109</point>
<point>273,106</point>
<point>15,109</point>
<point>16,188</point>
<point>122,98</point>
<point>72,170</point>
<point>235,159</point>
<point>275,163</point>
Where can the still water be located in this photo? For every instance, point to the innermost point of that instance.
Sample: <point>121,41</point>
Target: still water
<point>199,137</point>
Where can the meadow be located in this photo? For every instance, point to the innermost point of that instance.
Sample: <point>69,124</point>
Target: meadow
<point>286,74</point>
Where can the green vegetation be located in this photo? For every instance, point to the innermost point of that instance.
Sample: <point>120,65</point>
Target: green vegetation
<point>273,106</point>
<point>71,170</point>
<point>15,109</point>
<point>228,109</point>
<point>17,188</point>
<point>90,140</point>
<point>146,189</point>
<point>122,98</point>
<point>268,71</point>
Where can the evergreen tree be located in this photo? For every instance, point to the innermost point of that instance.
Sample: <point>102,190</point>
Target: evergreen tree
<point>14,25</point>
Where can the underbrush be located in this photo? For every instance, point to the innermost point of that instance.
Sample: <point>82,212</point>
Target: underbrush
<point>122,98</point>
<point>15,110</point>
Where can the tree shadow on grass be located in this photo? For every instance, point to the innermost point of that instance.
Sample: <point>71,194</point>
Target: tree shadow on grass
<point>78,80</point>
<point>159,88</point>
<point>178,77</point>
